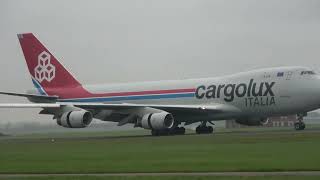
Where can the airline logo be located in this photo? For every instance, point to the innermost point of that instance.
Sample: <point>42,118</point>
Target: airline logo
<point>255,94</point>
<point>44,70</point>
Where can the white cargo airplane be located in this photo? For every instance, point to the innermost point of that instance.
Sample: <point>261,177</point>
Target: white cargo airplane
<point>164,106</point>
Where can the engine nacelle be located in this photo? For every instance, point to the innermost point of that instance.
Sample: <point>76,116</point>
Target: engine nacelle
<point>157,121</point>
<point>256,121</point>
<point>75,119</point>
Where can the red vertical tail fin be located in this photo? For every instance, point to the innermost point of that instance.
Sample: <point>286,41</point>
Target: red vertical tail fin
<point>46,71</point>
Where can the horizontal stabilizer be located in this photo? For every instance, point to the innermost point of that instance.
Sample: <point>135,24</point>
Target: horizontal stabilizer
<point>35,96</point>
<point>31,105</point>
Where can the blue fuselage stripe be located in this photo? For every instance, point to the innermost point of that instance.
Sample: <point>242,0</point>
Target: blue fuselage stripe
<point>124,98</point>
<point>38,87</point>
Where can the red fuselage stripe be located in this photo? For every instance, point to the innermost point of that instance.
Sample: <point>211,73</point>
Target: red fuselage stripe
<point>80,92</point>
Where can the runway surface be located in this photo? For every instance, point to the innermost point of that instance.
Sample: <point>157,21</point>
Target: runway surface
<point>103,137</point>
<point>253,174</point>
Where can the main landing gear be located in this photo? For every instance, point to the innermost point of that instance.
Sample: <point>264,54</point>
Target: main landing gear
<point>179,131</point>
<point>166,132</point>
<point>300,125</point>
<point>204,129</point>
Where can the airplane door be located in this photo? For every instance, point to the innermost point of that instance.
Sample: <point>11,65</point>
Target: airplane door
<point>289,75</point>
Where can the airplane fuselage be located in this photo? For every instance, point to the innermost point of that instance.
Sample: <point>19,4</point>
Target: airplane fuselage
<point>262,93</point>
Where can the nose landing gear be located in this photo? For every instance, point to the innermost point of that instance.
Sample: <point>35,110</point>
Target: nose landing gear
<point>300,125</point>
<point>204,129</point>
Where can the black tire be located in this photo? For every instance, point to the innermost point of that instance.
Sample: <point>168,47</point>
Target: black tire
<point>177,131</point>
<point>299,126</point>
<point>182,130</point>
<point>207,130</point>
<point>154,133</point>
<point>204,130</point>
<point>198,130</point>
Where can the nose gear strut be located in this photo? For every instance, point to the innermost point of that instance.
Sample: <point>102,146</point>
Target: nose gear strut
<point>300,125</point>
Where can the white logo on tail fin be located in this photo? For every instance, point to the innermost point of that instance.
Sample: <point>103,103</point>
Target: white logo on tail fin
<point>44,70</point>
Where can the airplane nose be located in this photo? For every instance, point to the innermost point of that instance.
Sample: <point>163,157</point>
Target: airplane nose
<point>316,86</point>
<point>318,79</point>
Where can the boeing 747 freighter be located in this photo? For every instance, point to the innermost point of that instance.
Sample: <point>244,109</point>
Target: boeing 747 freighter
<point>165,107</point>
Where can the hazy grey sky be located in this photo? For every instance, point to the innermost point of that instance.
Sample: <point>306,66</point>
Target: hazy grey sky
<point>111,41</point>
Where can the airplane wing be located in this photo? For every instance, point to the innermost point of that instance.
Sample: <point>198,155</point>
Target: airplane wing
<point>46,102</point>
<point>181,111</point>
<point>216,108</point>
<point>210,108</point>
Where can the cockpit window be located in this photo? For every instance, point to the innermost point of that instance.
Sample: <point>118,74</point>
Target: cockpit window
<point>307,73</point>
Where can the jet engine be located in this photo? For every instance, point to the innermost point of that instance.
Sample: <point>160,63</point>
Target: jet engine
<point>75,119</point>
<point>253,121</point>
<point>157,121</point>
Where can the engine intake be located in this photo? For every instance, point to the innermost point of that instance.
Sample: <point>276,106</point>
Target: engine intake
<point>75,119</point>
<point>256,121</point>
<point>157,121</point>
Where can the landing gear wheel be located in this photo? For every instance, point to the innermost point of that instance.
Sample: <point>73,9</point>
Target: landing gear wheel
<point>204,130</point>
<point>198,130</point>
<point>179,130</point>
<point>154,133</point>
<point>299,126</point>
<point>160,132</point>
<point>175,131</point>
